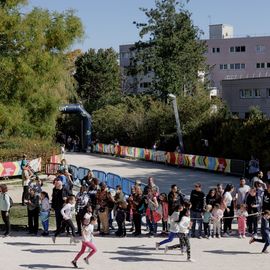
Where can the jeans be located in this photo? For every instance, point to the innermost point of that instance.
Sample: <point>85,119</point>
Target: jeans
<point>169,239</point>
<point>252,222</point>
<point>184,241</point>
<point>206,228</point>
<point>196,217</point>
<point>44,216</point>
<point>137,219</point>
<point>25,193</point>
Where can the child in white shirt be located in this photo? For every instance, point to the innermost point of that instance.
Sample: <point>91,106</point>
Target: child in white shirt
<point>87,241</point>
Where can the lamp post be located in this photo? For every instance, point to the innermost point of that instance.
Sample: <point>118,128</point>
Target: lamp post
<point>177,120</point>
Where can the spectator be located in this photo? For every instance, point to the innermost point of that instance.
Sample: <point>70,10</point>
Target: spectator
<point>241,193</point>
<point>211,197</point>
<point>197,206</point>
<point>252,209</point>
<point>32,211</point>
<point>228,209</point>
<point>5,204</point>
<point>175,198</point>
<point>59,196</point>
<point>82,200</point>
<point>26,179</point>
<point>103,199</point>
<point>45,212</point>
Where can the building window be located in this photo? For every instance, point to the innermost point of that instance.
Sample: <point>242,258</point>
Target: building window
<point>256,93</point>
<point>268,65</point>
<point>261,65</point>
<point>215,50</point>
<point>260,48</point>
<point>250,93</point>
<point>268,92</point>
<point>237,49</point>
<point>237,66</point>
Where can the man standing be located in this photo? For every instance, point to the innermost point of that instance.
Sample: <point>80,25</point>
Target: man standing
<point>197,206</point>
<point>242,192</point>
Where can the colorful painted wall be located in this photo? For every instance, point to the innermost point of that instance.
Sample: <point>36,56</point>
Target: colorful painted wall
<point>173,158</point>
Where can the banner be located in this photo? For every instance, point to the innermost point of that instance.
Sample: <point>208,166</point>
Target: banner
<point>13,168</point>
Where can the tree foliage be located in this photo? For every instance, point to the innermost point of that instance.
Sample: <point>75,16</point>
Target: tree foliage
<point>98,78</point>
<point>172,50</point>
<point>33,75</point>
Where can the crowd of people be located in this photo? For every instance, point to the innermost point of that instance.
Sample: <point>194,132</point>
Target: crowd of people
<point>96,207</point>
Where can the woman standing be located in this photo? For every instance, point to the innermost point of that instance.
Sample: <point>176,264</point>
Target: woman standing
<point>5,208</point>
<point>228,209</point>
<point>45,212</point>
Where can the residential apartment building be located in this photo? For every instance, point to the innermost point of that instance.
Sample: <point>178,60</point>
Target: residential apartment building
<point>229,58</point>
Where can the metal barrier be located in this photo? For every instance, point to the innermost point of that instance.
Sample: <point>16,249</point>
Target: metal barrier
<point>74,171</point>
<point>82,172</point>
<point>52,168</point>
<point>127,184</point>
<point>100,175</point>
<point>113,180</point>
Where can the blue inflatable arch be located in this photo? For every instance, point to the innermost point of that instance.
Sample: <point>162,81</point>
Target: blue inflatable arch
<point>86,122</point>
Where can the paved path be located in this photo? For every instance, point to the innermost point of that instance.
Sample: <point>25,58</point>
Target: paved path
<point>165,176</point>
<point>22,252</point>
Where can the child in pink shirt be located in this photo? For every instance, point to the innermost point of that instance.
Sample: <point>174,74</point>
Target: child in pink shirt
<point>242,220</point>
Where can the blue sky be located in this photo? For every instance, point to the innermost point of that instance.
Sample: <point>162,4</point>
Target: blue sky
<point>108,23</point>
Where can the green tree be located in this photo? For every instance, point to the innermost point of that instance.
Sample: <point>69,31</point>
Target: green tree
<point>172,50</point>
<point>34,79</point>
<point>98,78</point>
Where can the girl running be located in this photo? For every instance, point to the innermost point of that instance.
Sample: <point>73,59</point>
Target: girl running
<point>66,212</point>
<point>87,234</point>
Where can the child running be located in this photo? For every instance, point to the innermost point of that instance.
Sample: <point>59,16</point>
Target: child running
<point>87,241</point>
<point>66,212</point>
<point>264,231</point>
<point>174,227</point>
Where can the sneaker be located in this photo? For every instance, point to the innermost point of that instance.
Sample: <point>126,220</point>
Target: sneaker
<point>190,260</point>
<point>53,239</point>
<point>166,249</point>
<point>74,264</point>
<point>218,236</point>
<point>265,252</point>
<point>243,236</point>
<point>251,240</point>
<point>86,260</point>
<point>226,235</point>
<point>157,246</point>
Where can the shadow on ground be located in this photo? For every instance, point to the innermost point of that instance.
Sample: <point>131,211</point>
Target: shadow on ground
<point>46,266</point>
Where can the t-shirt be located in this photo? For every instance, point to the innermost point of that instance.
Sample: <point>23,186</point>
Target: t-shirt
<point>227,199</point>
<point>184,225</point>
<point>174,225</point>
<point>241,194</point>
<point>87,233</point>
